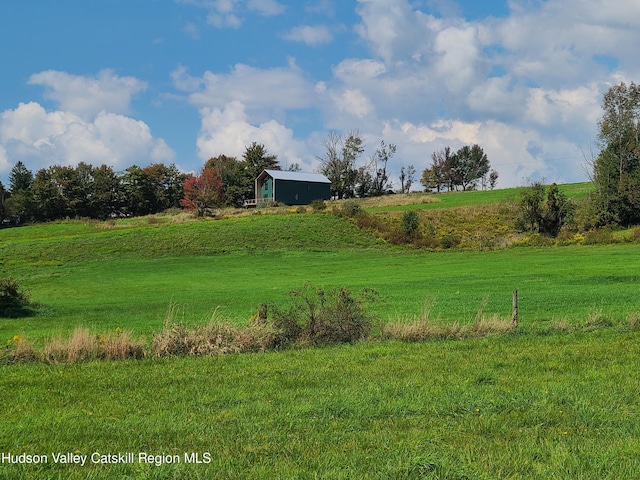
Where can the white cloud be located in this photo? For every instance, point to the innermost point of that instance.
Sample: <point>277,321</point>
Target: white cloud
<point>311,35</point>
<point>88,96</point>
<point>228,131</point>
<point>356,70</point>
<point>40,138</point>
<point>353,102</point>
<point>229,13</point>
<point>265,93</point>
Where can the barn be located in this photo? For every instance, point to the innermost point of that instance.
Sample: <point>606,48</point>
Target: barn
<point>290,188</point>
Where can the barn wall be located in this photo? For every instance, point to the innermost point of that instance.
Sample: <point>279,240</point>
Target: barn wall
<point>292,192</point>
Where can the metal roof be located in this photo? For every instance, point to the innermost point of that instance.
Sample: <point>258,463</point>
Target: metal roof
<point>297,176</point>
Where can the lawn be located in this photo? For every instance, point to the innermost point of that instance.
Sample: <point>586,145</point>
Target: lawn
<point>556,398</point>
<point>87,275</point>
<point>511,407</point>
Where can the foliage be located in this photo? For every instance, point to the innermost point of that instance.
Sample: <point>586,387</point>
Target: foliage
<point>407,177</point>
<point>319,205</point>
<point>616,170</point>
<point>410,224</point>
<point>235,177</point>
<point>339,162</point>
<point>351,208</point>
<point>463,168</point>
<point>320,316</point>
<point>204,192</point>
<point>379,161</point>
<point>468,165</point>
<point>13,299</point>
<point>537,215</point>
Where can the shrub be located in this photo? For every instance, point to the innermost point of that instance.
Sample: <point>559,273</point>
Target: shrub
<point>410,224</point>
<point>13,300</point>
<point>351,208</point>
<point>318,205</point>
<point>320,316</point>
<point>449,241</point>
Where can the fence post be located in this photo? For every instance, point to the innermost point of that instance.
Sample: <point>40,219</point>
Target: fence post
<point>514,318</point>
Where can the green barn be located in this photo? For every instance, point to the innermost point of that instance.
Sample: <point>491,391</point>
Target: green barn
<point>290,188</point>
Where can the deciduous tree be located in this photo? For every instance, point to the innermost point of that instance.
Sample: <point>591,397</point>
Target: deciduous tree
<point>468,165</point>
<point>339,162</point>
<point>203,193</point>
<point>616,171</point>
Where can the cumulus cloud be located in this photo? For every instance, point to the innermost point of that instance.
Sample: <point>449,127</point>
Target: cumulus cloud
<point>40,138</point>
<point>309,34</point>
<point>89,125</point>
<point>527,85</point>
<point>228,131</point>
<point>88,96</point>
<point>265,93</point>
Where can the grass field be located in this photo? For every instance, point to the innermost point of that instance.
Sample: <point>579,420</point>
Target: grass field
<point>557,398</point>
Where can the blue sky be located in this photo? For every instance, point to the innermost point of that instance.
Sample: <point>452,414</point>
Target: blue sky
<point>126,82</point>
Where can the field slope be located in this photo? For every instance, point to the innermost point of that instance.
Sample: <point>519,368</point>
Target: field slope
<point>557,398</point>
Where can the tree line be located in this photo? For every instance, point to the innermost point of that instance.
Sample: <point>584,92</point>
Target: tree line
<point>86,191</point>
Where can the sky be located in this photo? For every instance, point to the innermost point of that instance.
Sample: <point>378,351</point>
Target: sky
<point>137,82</point>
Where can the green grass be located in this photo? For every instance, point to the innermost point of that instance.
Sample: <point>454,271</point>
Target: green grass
<point>556,398</point>
<point>576,191</point>
<point>520,406</point>
<point>128,277</point>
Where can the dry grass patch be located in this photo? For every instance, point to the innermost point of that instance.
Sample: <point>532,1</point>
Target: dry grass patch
<point>83,345</point>
<point>214,338</point>
<point>423,330</point>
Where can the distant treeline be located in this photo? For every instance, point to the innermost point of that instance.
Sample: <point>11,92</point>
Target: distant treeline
<point>86,191</point>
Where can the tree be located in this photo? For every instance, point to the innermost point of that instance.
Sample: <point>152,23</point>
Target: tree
<point>49,201</point>
<point>493,179</point>
<point>165,184</point>
<point>256,159</point>
<point>407,178</point>
<point>616,171</point>
<point>20,204</point>
<point>204,192</point>
<point>538,215</point>
<point>437,177</point>
<point>339,162</point>
<point>3,198</point>
<point>468,165</point>
<point>107,193</point>
<point>238,185</point>
<point>138,194</point>
<point>379,161</point>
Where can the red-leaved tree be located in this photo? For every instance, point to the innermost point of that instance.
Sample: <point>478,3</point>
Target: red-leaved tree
<point>203,193</point>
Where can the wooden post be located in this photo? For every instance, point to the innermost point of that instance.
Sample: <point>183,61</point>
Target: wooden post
<point>514,318</point>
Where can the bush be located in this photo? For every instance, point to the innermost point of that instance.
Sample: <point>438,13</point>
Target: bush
<point>351,208</point>
<point>318,205</point>
<point>13,300</point>
<point>320,316</point>
<point>410,224</point>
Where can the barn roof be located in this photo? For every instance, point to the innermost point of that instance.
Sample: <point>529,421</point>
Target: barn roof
<point>297,176</point>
